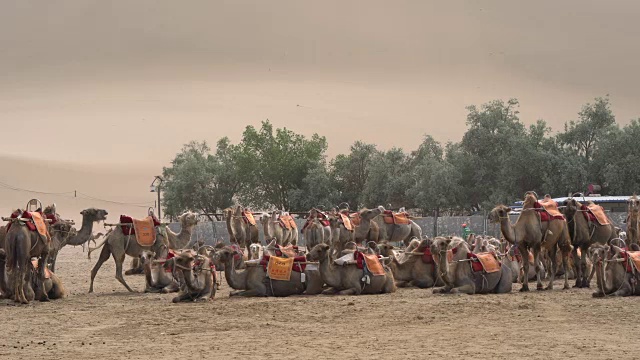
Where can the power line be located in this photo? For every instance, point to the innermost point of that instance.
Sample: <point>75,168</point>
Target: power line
<point>74,194</point>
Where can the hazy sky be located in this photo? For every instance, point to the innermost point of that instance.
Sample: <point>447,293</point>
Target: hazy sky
<point>131,81</point>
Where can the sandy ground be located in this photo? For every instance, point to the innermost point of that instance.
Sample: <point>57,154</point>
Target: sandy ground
<point>411,323</point>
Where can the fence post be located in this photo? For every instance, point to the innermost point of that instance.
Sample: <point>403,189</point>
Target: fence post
<point>435,222</point>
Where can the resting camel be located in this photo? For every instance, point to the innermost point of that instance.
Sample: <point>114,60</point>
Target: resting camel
<point>584,234</point>
<point>457,274</point>
<point>253,281</point>
<point>615,275</point>
<point>412,269</point>
<point>188,221</point>
<point>118,244</point>
<point>157,279</point>
<point>7,281</point>
<point>530,234</point>
<point>199,277</point>
<point>347,279</point>
<point>389,232</point>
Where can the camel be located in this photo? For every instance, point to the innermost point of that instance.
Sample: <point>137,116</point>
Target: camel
<point>340,235</point>
<point>615,275</point>
<point>188,221</point>
<point>118,244</point>
<point>390,232</point>
<point>633,220</point>
<point>584,234</point>
<point>348,279</point>
<point>69,235</point>
<point>326,227</point>
<point>411,269</point>
<point>254,251</point>
<point>457,273</point>
<point>514,262</point>
<point>199,277</point>
<point>241,232</point>
<point>253,281</point>
<point>273,229</point>
<point>6,281</point>
<point>530,234</point>
<point>315,233</point>
<point>157,280</point>
<point>21,245</point>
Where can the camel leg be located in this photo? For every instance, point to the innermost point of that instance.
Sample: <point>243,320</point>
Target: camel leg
<point>182,297</point>
<point>468,289</point>
<point>329,291</point>
<point>506,284</point>
<point>525,266</point>
<point>554,266</point>
<point>104,256</point>
<point>119,259</point>
<point>249,293</point>
<point>578,268</point>
<point>443,290</point>
<point>402,284</point>
<point>538,268</point>
<point>583,269</point>
<point>173,287</point>
<point>18,284</point>
<point>351,291</point>
<point>42,263</point>
<point>565,258</point>
<point>423,283</point>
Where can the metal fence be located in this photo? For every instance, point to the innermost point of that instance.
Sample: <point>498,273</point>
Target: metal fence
<point>213,232</point>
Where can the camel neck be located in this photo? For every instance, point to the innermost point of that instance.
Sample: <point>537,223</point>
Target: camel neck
<point>234,279</point>
<point>83,235</point>
<point>329,273</point>
<point>506,228</point>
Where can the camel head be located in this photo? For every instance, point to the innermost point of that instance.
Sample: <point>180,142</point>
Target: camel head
<point>226,254</point>
<point>319,252</point>
<point>147,256</point>
<point>497,213</point>
<point>62,229</point>
<point>94,214</point>
<point>571,207</point>
<point>385,249</point>
<point>439,248</point>
<point>369,214</point>
<point>188,219</point>
<point>254,251</point>
<point>237,211</point>
<point>265,218</point>
<point>530,199</point>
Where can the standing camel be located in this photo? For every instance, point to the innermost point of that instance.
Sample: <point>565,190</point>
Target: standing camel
<point>390,232</point>
<point>314,233</point>
<point>341,232</point>
<point>633,220</point>
<point>118,244</point>
<point>69,235</point>
<point>242,229</point>
<point>529,233</point>
<point>274,228</point>
<point>584,233</point>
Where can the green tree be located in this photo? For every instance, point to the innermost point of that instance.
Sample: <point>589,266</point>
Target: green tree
<point>619,157</point>
<point>388,179</point>
<point>350,173</point>
<point>274,163</point>
<point>200,181</point>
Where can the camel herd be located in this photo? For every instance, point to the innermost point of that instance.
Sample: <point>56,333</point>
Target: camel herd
<point>347,253</point>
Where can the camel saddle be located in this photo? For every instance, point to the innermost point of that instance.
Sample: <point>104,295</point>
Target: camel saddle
<point>248,218</point>
<point>144,230</point>
<point>594,212</point>
<point>324,219</point>
<point>240,253</point>
<point>37,222</point>
<point>346,221</point>
<point>484,261</point>
<point>634,257</point>
<point>427,257</point>
<point>288,251</point>
<point>47,272</point>
<point>551,211</point>
<point>355,218</point>
<point>371,261</point>
<point>287,222</point>
<point>391,217</point>
<point>514,254</point>
<point>297,264</point>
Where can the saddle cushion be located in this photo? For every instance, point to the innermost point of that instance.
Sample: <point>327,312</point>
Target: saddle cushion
<point>289,251</point>
<point>346,221</point>
<point>635,258</point>
<point>427,257</point>
<point>396,218</point>
<point>371,261</point>
<point>595,212</point>
<point>248,218</point>
<point>355,218</point>
<point>130,230</point>
<point>287,222</point>
<point>484,261</point>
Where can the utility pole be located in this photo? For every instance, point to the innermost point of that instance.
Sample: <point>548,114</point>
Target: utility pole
<point>156,186</point>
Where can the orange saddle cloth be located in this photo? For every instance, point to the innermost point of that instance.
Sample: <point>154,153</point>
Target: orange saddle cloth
<point>346,221</point>
<point>287,222</point>
<point>635,257</point>
<point>373,264</point>
<point>41,226</point>
<point>288,251</point>
<point>598,212</point>
<point>355,218</point>
<point>397,218</point>
<point>489,262</point>
<point>280,268</point>
<point>145,231</point>
<point>248,218</point>
<point>551,207</point>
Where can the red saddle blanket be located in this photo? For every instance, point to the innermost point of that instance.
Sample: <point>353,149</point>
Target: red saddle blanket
<point>37,222</point>
<point>324,220</point>
<point>484,261</point>
<point>427,257</point>
<point>396,218</point>
<point>299,263</point>
<point>550,212</point>
<point>595,213</point>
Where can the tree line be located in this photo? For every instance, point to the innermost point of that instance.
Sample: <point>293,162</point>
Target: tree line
<point>497,161</point>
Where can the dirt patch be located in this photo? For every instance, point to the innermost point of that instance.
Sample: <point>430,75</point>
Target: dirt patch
<point>113,323</point>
